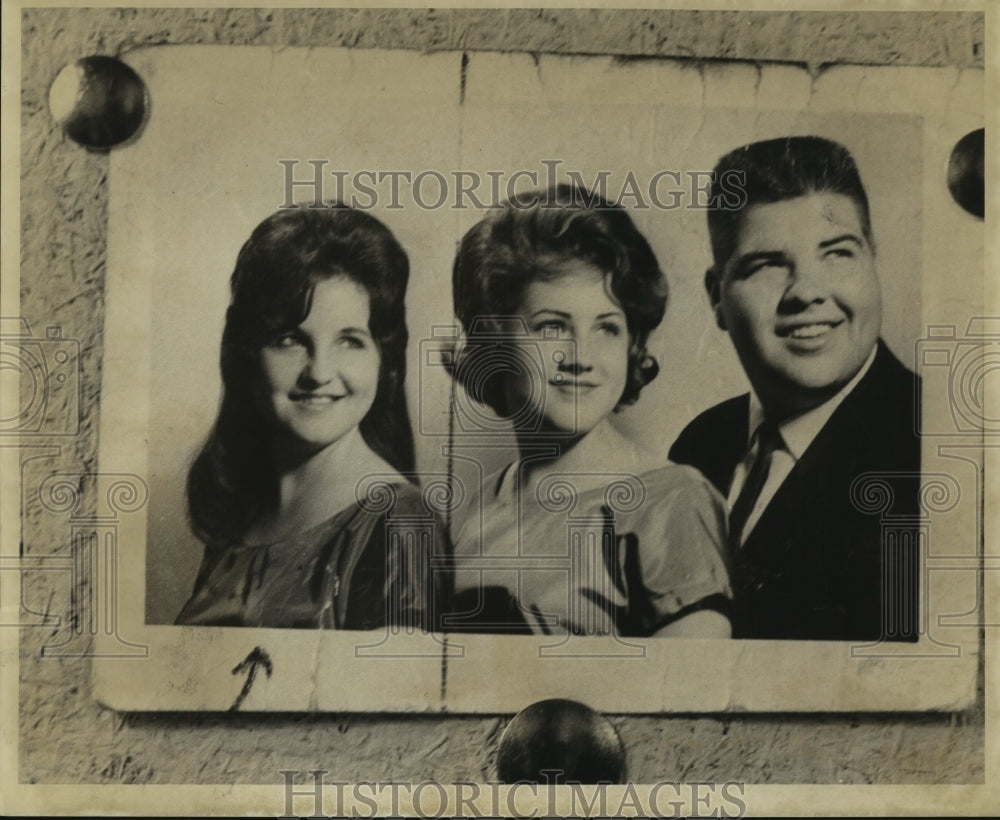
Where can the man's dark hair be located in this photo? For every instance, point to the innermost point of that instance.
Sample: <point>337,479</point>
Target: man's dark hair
<point>774,170</point>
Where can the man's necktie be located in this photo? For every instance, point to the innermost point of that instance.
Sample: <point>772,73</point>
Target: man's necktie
<point>768,440</point>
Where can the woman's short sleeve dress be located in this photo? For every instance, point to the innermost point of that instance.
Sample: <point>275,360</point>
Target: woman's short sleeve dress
<point>626,556</point>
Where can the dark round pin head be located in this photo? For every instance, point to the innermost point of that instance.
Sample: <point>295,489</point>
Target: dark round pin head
<point>98,101</point>
<point>560,741</point>
<point>967,172</point>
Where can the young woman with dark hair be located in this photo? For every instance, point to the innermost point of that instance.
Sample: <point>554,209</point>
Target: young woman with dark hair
<point>297,488</point>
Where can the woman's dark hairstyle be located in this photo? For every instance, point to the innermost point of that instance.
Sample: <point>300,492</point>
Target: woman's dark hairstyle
<point>234,477</point>
<point>774,170</point>
<point>531,238</point>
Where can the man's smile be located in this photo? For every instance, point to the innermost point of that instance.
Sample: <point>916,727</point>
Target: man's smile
<point>804,330</point>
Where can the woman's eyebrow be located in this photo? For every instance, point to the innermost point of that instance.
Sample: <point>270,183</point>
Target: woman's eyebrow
<point>362,330</point>
<point>553,311</point>
<point>611,314</point>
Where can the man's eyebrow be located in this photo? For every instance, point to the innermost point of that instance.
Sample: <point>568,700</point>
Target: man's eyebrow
<point>741,262</point>
<point>752,255</point>
<point>844,237</point>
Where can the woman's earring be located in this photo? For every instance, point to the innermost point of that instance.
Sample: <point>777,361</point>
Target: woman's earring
<point>649,368</point>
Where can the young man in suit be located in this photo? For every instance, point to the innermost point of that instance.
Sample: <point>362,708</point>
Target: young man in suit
<point>794,284</point>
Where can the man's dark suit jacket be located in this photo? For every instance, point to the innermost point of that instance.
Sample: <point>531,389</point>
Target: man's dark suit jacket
<point>813,566</point>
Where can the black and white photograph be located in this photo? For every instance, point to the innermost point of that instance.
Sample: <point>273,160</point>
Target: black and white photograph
<point>451,412</point>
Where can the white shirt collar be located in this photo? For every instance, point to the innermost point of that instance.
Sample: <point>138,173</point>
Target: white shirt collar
<point>799,431</point>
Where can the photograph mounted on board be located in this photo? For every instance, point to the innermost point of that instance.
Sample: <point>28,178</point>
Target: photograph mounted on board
<point>435,367</point>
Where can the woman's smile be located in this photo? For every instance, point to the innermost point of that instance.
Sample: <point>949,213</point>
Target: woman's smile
<point>316,400</point>
<point>572,385</point>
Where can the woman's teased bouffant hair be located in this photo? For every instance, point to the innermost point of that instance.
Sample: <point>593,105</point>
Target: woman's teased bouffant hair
<point>234,477</point>
<point>531,238</point>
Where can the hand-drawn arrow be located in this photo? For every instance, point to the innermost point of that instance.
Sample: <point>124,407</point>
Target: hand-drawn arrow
<point>258,657</point>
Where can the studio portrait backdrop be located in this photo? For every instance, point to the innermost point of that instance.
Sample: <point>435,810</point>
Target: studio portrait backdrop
<point>208,178</point>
